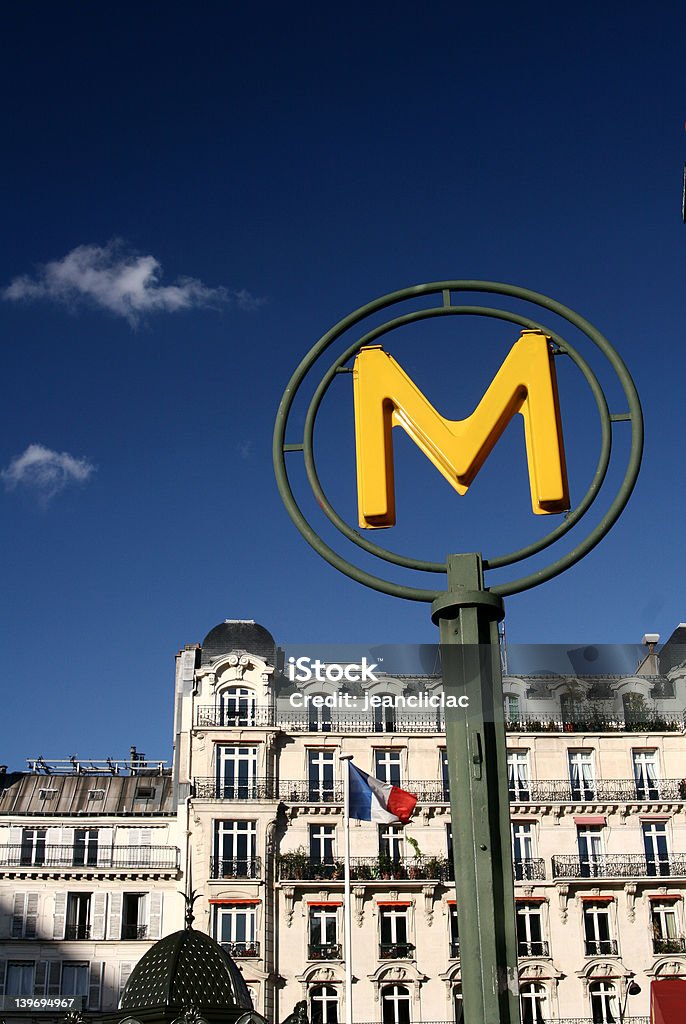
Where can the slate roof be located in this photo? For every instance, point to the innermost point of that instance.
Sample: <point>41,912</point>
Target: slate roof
<point>238,635</point>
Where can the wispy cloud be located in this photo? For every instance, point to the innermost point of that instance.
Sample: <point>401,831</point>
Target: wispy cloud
<point>45,471</point>
<point>122,282</point>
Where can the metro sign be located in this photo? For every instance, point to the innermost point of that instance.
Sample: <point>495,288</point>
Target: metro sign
<point>385,398</point>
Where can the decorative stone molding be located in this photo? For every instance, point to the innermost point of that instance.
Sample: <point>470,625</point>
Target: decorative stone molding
<point>358,904</point>
<point>630,890</point>
<point>563,897</point>
<point>289,902</point>
<point>428,894</point>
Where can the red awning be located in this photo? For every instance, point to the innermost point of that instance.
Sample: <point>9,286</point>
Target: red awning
<point>590,819</point>
<point>393,903</point>
<point>325,903</point>
<point>597,899</point>
<point>234,902</point>
<point>668,1001</point>
<point>666,896</point>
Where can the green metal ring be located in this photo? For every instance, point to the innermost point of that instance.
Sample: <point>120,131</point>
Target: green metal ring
<point>525,582</point>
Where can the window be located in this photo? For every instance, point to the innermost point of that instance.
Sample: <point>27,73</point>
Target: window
<point>444,775</point>
<point>395,1004</point>
<point>78,919</point>
<point>74,980</point>
<point>393,925</point>
<point>234,849</point>
<point>322,838</point>
<point>19,978</point>
<point>665,928</point>
<point>391,842</point>
<point>590,844</point>
<point>320,775</point>
<point>96,795</point>
<point>324,1005</point>
<point>32,846</point>
<point>133,916</point>
<point>530,930</point>
<point>512,708</point>
<point>603,1002</point>
<point>236,772</point>
<point>655,845</point>
<point>597,933</point>
<point>532,997</point>
<point>387,766</point>
<point>319,716</point>
<point>384,715</point>
<point>581,774</point>
<point>323,943</point>
<point>518,774</point>
<point>85,847</point>
<point>24,916</point>
<point>236,928</point>
<point>523,851</point>
<point>458,1008</point>
<point>571,710</point>
<point>646,774</point>
<point>454,935</point>
<point>237,706</point>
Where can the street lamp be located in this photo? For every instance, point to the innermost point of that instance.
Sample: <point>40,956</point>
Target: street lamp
<point>632,989</point>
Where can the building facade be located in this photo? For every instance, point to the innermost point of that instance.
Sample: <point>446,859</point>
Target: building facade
<point>251,816</point>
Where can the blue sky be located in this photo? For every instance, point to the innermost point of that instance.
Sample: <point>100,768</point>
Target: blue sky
<point>191,198</point>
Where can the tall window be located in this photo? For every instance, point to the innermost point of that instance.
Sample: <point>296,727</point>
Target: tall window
<point>603,1002</point>
<point>393,925</point>
<point>32,846</point>
<point>518,774</point>
<point>532,997</point>
<point>571,709</point>
<point>395,1004</point>
<point>665,927</point>
<point>646,774</point>
<point>454,934</point>
<point>319,717</point>
<point>384,716</point>
<point>391,842</point>
<point>74,980</point>
<point>590,844</point>
<point>324,934</point>
<point>324,1005</point>
<point>236,927</point>
<point>582,774</point>
<point>387,766</point>
<point>444,775</point>
<point>320,774</point>
<point>77,924</point>
<point>133,924</point>
<point>237,706</point>
<point>523,850</point>
<point>458,1008</point>
<point>86,846</point>
<point>655,845</point>
<point>322,839</point>
<point>512,707</point>
<point>530,930</point>
<point>597,930</point>
<point>19,978</point>
<point>234,849</point>
<point>236,772</point>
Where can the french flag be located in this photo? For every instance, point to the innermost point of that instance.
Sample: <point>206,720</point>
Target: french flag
<point>372,800</point>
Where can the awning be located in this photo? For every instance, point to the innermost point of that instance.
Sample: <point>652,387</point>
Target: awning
<point>668,1001</point>
<point>590,819</point>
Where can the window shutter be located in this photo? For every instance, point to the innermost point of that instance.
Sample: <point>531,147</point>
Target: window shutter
<point>3,964</point>
<point>60,915</point>
<point>18,916</point>
<point>98,908</point>
<point>114,922</point>
<point>39,980</point>
<point>124,975</point>
<point>155,915</point>
<point>94,985</point>
<point>105,847</point>
<point>31,919</point>
<point>54,978</point>
<point>15,844</point>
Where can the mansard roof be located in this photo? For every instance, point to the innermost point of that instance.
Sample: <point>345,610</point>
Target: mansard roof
<point>238,635</point>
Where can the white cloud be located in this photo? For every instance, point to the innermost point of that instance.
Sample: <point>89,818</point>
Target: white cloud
<point>45,471</point>
<point>121,282</point>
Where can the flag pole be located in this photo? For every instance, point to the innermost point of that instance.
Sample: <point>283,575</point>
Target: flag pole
<point>347,907</point>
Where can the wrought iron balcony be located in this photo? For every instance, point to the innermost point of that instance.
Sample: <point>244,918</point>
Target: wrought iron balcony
<point>134,931</point>
<point>220,789</point>
<point>591,1020</point>
<point>600,947</point>
<point>329,951</point>
<point>236,867</point>
<point>674,945</point>
<point>318,719</point>
<point>241,949</point>
<point>454,950</point>
<point>296,865</point>
<point>529,869</point>
<point>652,721</point>
<point>396,951</point>
<point>595,791</point>
<point>623,865</point>
<point>49,856</point>
<point>300,791</point>
<point>77,931</point>
<point>536,948</point>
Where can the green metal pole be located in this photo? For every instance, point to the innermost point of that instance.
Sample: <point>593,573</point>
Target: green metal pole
<point>468,616</point>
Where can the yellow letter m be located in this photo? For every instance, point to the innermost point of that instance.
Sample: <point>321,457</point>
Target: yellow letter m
<point>385,397</point>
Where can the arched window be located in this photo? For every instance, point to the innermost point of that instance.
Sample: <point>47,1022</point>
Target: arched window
<point>458,1010</point>
<point>324,1005</point>
<point>532,996</point>
<point>319,717</point>
<point>603,1002</point>
<point>237,706</point>
<point>395,1004</point>
<point>384,716</point>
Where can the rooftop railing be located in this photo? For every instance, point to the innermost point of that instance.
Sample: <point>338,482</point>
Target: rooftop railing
<point>50,856</point>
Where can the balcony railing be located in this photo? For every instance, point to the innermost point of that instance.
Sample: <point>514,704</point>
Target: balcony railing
<point>329,951</point>
<point>595,791</point>
<point>253,789</point>
<point>529,869</point>
<point>600,947</point>
<point>536,948</point>
<point>241,949</point>
<point>295,866</point>
<point>49,856</point>
<point>77,932</point>
<point>591,1020</point>
<point>653,721</point>
<point>454,950</point>
<point>675,945</point>
<point>134,931</point>
<point>237,867</point>
<point>396,951</point>
<point>623,865</point>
